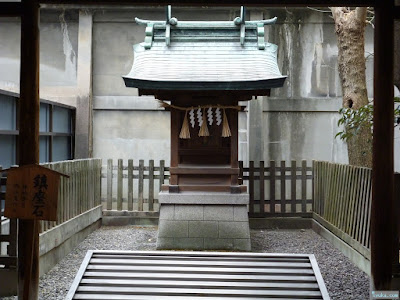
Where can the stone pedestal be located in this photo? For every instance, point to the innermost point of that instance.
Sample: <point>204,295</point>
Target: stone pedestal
<point>203,221</point>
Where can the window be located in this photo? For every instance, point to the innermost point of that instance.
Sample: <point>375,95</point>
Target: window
<point>56,141</point>
<point>56,132</point>
<point>8,131</point>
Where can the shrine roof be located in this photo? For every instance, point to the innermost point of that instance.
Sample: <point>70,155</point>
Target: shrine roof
<point>205,55</point>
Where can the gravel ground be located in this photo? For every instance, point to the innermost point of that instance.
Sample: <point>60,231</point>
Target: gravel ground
<point>344,281</point>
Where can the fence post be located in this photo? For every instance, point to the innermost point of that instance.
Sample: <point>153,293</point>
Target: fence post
<point>80,184</point>
<point>151,185</point>
<point>283,186</point>
<point>119,185</point>
<point>262,185</point>
<point>240,172</point>
<point>141,177</point>
<point>272,174</point>
<point>90,183</point>
<point>130,184</point>
<point>67,191</point>
<point>85,184</point>
<point>60,206</point>
<point>99,167</point>
<point>314,188</point>
<point>162,171</point>
<point>293,176</point>
<point>303,186</point>
<point>109,183</point>
<point>251,186</point>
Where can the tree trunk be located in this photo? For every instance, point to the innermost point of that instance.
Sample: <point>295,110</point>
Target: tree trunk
<point>350,28</point>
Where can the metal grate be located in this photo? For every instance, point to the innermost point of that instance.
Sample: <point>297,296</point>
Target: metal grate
<point>197,275</point>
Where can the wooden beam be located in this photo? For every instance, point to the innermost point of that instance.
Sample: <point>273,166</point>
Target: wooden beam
<point>10,9</point>
<point>397,12</point>
<point>272,3</point>
<point>28,230</point>
<point>383,240</point>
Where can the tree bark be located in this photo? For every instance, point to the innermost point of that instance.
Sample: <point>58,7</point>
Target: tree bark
<point>350,31</point>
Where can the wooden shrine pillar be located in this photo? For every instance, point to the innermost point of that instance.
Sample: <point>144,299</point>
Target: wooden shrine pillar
<point>234,118</point>
<point>28,230</point>
<point>384,239</point>
<point>175,121</point>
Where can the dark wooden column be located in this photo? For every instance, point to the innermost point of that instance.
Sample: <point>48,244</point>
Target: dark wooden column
<point>175,121</point>
<point>383,233</point>
<point>28,237</point>
<point>234,120</point>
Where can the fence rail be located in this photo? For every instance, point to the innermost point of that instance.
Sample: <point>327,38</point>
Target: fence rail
<point>342,202</point>
<point>77,194</point>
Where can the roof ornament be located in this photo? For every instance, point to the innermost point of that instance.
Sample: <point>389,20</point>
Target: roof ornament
<point>239,23</point>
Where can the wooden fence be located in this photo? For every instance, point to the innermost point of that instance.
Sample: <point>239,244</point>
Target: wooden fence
<point>142,185</point>
<point>278,190</point>
<point>342,202</point>
<point>8,231</point>
<point>77,194</point>
<point>274,190</point>
<point>80,192</point>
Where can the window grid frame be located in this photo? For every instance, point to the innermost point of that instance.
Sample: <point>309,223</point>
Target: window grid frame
<point>50,133</point>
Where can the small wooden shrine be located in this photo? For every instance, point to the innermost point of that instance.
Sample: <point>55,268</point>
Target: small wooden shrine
<point>200,71</point>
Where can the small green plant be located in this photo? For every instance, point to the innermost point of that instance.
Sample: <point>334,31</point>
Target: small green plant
<point>353,120</point>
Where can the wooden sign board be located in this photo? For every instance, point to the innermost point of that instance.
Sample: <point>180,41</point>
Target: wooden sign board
<point>32,193</point>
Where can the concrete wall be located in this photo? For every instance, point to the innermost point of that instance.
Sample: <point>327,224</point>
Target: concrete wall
<point>297,122</point>
<point>85,53</point>
<point>65,76</point>
<point>126,125</point>
<point>58,53</point>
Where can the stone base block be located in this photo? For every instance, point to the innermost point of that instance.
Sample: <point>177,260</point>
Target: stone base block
<point>198,221</point>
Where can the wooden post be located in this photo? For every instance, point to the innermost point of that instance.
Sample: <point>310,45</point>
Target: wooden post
<point>151,185</point>
<point>119,184</point>
<point>262,189</point>
<point>234,123</point>
<point>303,186</point>
<point>109,183</point>
<point>28,230</point>
<point>251,187</point>
<point>283,186</point>
<point>175,121</point>
<point>140,185</point>
<point>162,171</point>
<point>293,174</point>
<point>272,175</point>
<point>383,239</point>
<point>130,184</point>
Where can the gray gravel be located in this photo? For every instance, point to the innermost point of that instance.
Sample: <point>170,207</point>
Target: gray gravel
<point>343,280</point>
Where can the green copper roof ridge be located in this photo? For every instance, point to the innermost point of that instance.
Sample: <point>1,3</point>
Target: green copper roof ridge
<point>205,24</point>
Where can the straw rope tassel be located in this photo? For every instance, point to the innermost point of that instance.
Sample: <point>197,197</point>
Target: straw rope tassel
<point>204,129</point>
<point>185,131</point>
<point>226,131</point>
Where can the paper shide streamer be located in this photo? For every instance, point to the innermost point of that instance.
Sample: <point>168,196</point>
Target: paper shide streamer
<point>205,116</point>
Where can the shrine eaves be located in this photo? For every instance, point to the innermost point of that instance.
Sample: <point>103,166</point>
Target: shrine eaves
<point>205,55</point>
